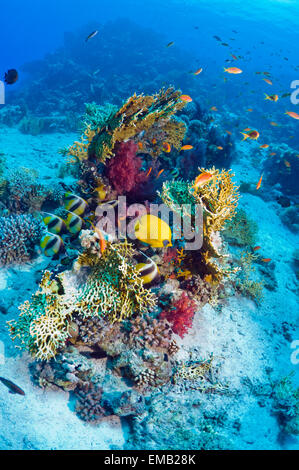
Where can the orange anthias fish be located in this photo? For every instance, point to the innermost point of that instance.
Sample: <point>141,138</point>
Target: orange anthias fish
<point>264,146</point>
<point>266,260</point>
<point>160,173</point>
<point>201,179</point>
<point>272,154</point>
<point>148,172</point>
<point>247,129</point>
<point>253,135</point>
<point>198,71</point>
<point>271,97</point>
<point>292,114</point>
<point>259,182</point>
<point>213,108</point>
<point>102,240</point>
<point>249,110</point>
<point>187,147</point>
<point>154,141</point>
<point>255,248</point>
<point>233,70</point>
<point>219,147</point>
<point>287,164</point>
<point>186,98</point>
<point>228,132</point>
<point>166,147</point>
<point>274,124</point>
<point>267,81</point>
<point>140,145</point>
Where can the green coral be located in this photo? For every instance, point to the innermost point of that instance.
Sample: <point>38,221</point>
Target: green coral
<point>241,230</point>
<point>286,404</point>
<point>97,116</point>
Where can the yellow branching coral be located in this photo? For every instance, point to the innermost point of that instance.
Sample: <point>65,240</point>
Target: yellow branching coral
<point>218,197</point>
<point>42,327</point>
<point>79,150</point>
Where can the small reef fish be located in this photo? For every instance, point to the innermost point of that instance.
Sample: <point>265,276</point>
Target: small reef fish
<point>148,172</point>
<point>292,114</point>
<point>253,135</point>
<point>201,179</point>
<point>233,70</point>
<point>271,97</point>
<point>91,35</point>
<point>264,146</point>
<point>166,147</point>
<point>75,204</point>
<point>198,71</point>
<point>267,81</point>
<point>103,243</point>
<point>153,231</point>
<point>186,98</point>
<point>52,245</point>
<point>11,76</point>
<point>259,182</point>
<point>249,110</point>
<point>74,223</point>
<point>171,43</point>
<point>13,388</point>
<point>256,248</point>
<point>287,163</point>
<point>274,124</point>
<point>266,260</point>
<point>187,147</point>
<point>213,108</point>
<point>54,223</point>
<point>272,154</point>
<point>160,173</point>
<point>148,271</point>
<point>219,147</point>
<point>140,145</point>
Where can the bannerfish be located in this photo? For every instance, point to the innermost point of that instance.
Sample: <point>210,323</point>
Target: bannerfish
<point>91,35</point>
<point>52,245</point>
<point>11,76</point>
<point>75,204</point>
<point>253,135</point>
<point>13,388</point>
<point>153,231</point>
<point>54,223</point>
<point>74,223</point>
<point>148,271</point>
<point>233,70</point>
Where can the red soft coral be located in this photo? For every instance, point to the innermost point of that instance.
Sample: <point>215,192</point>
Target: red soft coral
<point>124,168</point>
<point>181,314</point>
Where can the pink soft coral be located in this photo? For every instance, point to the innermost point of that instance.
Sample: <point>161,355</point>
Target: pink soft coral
<point>124,168</point>
<point>181,314</point>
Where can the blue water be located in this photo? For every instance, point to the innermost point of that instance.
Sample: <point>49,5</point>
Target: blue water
<point>38,38</point>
